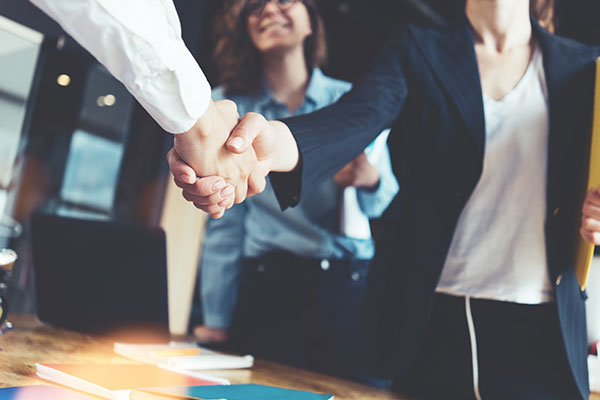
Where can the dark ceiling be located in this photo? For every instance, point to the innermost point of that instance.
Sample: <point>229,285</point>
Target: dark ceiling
<point>355,27</point>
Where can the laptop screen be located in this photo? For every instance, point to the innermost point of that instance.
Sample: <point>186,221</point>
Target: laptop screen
<point>100,276</point>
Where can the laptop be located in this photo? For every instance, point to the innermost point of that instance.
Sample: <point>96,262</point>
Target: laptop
<point>100,276</point>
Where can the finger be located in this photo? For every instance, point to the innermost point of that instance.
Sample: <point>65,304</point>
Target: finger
<point>586,235</point>
<point>593,197</point>
<point>210,209</point>
<point>180,170</point>
<point>248,128</point>
<point>591,210</point>
<point>231,203</point>
<point>228,202</point>
<point>206,186</point>
<point>214,198</point>
<point>218,215</point>
<point>227,107</point>
<point>590,237</point>
<point>256,183</point>
<point>241,191</point>
<point>590,224</point>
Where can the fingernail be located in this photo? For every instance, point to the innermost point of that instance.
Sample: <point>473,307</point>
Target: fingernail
<point>218,185</point>
<point>236,143</point>
<point>187,179</point>
<point>227,191</point>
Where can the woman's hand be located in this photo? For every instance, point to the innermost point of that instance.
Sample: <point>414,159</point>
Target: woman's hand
<point>590,219</point>
<point>358,172</point>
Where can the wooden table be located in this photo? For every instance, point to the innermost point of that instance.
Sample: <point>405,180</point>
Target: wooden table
<point>31,342</point>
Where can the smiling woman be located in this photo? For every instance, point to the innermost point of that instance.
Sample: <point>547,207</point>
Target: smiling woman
<point>288,286</point>
<point>240,41</point>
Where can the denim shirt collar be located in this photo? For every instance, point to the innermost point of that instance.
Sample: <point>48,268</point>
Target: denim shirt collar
<point>314,93</point>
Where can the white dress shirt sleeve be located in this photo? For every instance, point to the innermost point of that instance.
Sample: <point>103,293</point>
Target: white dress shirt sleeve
<point>139,42</point>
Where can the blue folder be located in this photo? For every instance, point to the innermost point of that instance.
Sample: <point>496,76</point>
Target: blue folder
<point>237,392</point>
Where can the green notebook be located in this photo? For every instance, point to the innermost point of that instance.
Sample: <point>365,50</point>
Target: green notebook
<point>236,392</point>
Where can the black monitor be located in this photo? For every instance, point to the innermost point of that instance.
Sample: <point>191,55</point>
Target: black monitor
<point>100,276</point>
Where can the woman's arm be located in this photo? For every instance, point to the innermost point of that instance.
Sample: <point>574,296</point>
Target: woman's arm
<point>331,137</point>
<point>374,202</point>
<point>315,146</point>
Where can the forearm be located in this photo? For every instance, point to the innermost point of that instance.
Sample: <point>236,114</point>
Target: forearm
<point>140,43</point>
<point>330,138</point>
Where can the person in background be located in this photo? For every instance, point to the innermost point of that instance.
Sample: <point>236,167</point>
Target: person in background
<point>300,273</point>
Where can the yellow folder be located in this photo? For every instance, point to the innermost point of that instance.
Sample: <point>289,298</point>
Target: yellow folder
<point>585,250</point>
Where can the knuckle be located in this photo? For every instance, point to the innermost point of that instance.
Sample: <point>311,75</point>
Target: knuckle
<point>187,196</point>
<point>179,184</point>
<point>200,207</point>
<point>254,116</point>
<point>586,208</point>
<point>204,188</point>
<point>229,103</point>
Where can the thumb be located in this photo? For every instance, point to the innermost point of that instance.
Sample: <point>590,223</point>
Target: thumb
<point>181,171</point>
<point>247,129</point>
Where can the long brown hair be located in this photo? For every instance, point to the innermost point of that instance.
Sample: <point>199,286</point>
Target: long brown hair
<point>543,12</point>
<point>239,62</point>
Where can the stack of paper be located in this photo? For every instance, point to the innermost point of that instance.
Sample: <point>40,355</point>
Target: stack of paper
<point>186,356</point>
<point>114,381</point>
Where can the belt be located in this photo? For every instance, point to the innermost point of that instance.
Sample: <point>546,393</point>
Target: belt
<point>291,263</point>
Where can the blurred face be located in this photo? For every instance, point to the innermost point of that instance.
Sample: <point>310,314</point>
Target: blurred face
<point>278,28</point>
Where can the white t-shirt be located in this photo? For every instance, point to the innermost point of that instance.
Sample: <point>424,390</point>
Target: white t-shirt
<point>498,250</point>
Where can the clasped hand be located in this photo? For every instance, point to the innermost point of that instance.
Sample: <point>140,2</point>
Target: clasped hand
<point>224,159</point>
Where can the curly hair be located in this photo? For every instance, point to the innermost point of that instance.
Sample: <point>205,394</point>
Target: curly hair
<point>543,12</point>
<point>238,61</point>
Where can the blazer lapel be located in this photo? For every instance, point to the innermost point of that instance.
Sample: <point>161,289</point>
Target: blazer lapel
<point>451,55</point>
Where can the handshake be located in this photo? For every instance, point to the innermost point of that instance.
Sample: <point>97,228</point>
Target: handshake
<point>223,158</point>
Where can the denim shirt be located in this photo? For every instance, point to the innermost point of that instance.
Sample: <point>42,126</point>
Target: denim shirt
<point>258,226</point>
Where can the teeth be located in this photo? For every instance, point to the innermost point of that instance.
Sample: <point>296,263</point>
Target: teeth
<point>277,25</point>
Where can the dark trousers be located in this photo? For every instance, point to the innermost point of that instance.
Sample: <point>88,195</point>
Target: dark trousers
<point>520,353</point>
<point>302,312</point>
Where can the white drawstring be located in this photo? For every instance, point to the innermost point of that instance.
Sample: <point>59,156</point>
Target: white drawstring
<point>473,347</point>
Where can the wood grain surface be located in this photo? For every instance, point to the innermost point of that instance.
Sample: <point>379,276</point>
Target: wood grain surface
<point>31,342</point>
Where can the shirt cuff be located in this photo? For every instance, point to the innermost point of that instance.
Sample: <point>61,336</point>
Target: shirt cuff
<point>288,186</point>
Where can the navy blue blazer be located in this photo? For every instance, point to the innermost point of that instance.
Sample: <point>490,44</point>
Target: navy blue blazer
<point>425,84</point>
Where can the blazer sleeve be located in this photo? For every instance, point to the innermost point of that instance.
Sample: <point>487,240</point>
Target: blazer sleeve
<point>331,137</point>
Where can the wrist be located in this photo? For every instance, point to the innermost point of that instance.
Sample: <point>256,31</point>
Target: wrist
<point>287,156</point>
